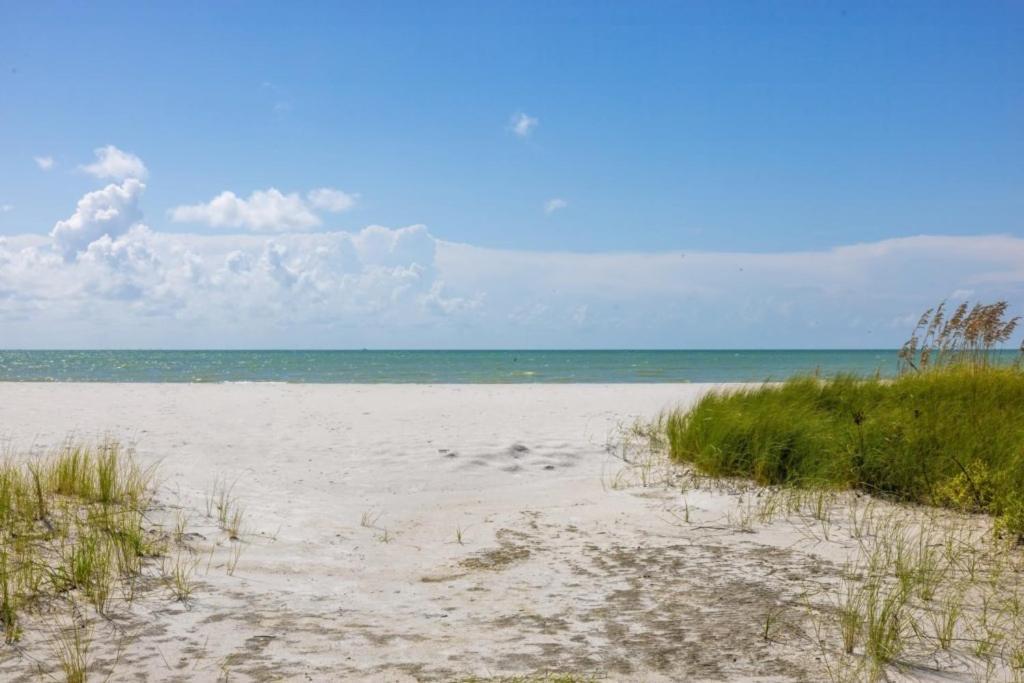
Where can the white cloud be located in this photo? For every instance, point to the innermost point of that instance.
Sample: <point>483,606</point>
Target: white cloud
<point>435,300</point>
<point>6,208</point>
<point>45,163</point>
<point>378,245</point>
<point>556,204</point>
<point>110,211</point>
<point>101,269</point>
<point>191,289</point>
<point>116,164</point>
<point>263,211</point>
<point>840,298</point>
<point>330,199</point>
<point>403,287</point>
<point>267,210</point>
<point>523,124</point>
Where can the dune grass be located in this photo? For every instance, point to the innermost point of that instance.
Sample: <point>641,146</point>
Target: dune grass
<point>75,540</point>
<point>71,525</point>
<point>924,587</point>
<point>952,436</point>
<point>914,588</point>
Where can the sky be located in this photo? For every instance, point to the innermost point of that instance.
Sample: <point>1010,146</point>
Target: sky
<point>522,175</point>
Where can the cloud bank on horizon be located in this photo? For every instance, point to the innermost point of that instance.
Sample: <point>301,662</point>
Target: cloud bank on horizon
<point>103,278</point>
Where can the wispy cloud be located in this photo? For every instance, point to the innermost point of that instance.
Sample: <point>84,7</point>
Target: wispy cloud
<point>113,163</point>
<point>6,208</point>
<point>522,124</point>
<point>556,204</point>
<point>45,163</point>
<point>841,297</point>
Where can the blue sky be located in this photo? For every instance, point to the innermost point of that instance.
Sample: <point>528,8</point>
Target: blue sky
<point>664,128</point>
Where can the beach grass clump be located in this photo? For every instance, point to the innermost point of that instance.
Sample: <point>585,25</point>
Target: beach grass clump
<point>71,650</point>
<point>925,588</point>
<point>73,532</point>
<point>951,437</point>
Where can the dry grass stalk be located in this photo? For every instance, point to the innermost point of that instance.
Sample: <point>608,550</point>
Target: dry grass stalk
<point>967,336</point>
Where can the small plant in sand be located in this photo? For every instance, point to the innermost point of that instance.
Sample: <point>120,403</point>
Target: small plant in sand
<point>772,622</point>
<point>744,516</point>
<point>233,525</point>
<point>234,555</point>
<point>368,520</point>
<point>944,620</point>
<point>223,505</point>
<point>178,576</point>
<point>640,447</point>
<point>71,643</point>
<point>180,527</point>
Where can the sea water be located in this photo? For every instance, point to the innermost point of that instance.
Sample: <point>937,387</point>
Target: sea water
<point>442,367</point>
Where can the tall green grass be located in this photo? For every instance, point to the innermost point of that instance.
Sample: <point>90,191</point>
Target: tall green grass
<point>72,529</point>
<point>951,436</point>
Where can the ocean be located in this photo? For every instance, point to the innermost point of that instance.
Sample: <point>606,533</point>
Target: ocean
<point>439,367</point>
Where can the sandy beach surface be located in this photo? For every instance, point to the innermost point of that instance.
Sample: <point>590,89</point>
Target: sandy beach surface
<point>418,532</point>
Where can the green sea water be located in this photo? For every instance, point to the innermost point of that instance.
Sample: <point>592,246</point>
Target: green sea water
<point>441,367</point>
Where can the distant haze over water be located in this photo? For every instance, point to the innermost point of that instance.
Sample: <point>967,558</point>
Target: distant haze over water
<point>441,367</point>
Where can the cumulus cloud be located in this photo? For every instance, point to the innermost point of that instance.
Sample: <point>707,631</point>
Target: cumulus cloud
<point>220,284</point>
<point>263,211</point>
<point>102,269</point>
<point>330,199</point>
<point>266,210</point>
<point>556,204</point>
<point>113,163</point>
<point>44,163</point>
<point>522,124</point>
<point>403,287</point>
<point>110,211</point>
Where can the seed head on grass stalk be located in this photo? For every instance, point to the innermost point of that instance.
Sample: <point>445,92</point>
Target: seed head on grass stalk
<point>966,337</point>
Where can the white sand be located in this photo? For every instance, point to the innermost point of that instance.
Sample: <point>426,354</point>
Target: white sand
<point>557,571</point>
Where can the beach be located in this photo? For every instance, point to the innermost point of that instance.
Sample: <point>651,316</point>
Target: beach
<point>420,532</point>
<point>433,532</point>
<point>531,342</point>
